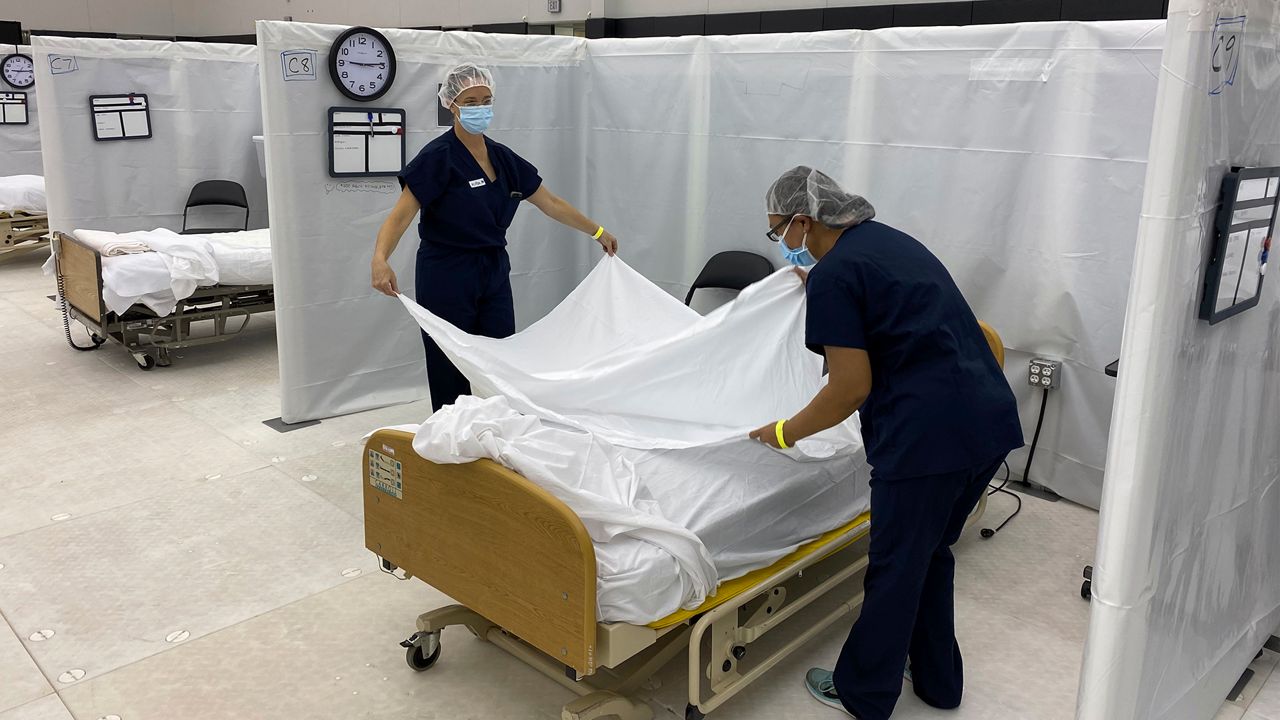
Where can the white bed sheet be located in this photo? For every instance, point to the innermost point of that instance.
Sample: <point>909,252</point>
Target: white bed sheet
<point>668,525</point>
<point>634,411</point>
<point>177,265</point>
<point>22,193</point>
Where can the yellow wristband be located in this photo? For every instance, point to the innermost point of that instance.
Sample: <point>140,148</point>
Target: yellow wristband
<point>782,441</point>
<point>599,233</point>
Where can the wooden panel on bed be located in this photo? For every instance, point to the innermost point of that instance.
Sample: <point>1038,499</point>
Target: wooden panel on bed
<point>488,538</point>
<point>81,271</point>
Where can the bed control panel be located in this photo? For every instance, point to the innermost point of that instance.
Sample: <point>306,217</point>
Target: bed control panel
<point>386,474</point>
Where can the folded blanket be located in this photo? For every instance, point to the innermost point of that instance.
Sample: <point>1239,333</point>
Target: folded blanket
<point>109,244</point>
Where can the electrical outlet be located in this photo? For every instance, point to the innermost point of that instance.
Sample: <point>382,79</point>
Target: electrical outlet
<point>1044,373</point>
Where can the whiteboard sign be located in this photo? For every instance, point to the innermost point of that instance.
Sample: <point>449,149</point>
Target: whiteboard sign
<point>120,117</point>
<point>13,108</point>
<point>366,142</point>
<point>1242,242</point>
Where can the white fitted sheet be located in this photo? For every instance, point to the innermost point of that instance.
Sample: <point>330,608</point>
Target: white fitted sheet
<point>22,193</point>
<point>634,411</point>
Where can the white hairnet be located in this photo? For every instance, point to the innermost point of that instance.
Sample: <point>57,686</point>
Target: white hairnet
<point>462,78</point>
<point>805,191</point>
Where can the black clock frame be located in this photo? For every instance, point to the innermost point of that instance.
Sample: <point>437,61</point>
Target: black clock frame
<point>5,60</point>
<point>333,64</point>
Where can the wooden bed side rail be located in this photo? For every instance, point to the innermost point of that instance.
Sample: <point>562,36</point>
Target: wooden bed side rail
<point>80,268</point>
<point>488,538</point>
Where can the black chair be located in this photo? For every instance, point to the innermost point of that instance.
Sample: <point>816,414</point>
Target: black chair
<point>731,270</point>
<point>216,192</point>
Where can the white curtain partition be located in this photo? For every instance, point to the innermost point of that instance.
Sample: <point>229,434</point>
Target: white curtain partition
<point>205,109</point>
<point>1017,153</point>
<point>20,144</point>
<point>1187,582</point>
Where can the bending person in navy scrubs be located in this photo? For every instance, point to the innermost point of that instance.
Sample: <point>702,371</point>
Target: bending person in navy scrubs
<point>468,188</point>
<point>938,419</point>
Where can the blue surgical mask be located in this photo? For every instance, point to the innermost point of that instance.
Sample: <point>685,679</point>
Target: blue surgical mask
<point>475,119</point>
<point>798,257</point>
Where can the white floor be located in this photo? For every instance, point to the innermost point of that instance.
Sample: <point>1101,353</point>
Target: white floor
<point>163,555</point>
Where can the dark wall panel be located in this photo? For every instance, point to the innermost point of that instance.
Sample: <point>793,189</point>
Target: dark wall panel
<point>602,28</point>
<point>783,21</point>
<point>858,18</point>
<point>10,33</point>
<point>733,23</point>
<point>509,28</point>
<point>233,39</point>
<point>1112,9</point>
<point>680,25</point>
<point>635,27</point>
<point>992,12</point>
<point>930,14</point>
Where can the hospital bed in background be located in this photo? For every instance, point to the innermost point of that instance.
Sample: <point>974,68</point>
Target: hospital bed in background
<point>212,313</point>
<point>24,225</point>
<point>152,324</point>
<point>523,569</point>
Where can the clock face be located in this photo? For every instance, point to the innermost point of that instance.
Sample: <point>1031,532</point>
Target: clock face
<point>362,64</point>
<point>19,71</point>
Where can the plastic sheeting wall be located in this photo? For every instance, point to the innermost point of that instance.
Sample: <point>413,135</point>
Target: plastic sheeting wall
<point>1016,152</point>
<point>205,109</point>
<point>1187,583</point>
<point>344,347</point>
<point>20,144</point>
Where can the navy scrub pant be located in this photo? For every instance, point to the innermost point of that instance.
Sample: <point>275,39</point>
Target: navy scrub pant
<point>908,610</point>
<point>470,289</point>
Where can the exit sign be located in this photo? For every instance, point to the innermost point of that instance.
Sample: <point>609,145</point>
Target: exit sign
<point>553,6</point>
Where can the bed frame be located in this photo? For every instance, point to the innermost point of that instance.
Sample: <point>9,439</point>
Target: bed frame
<point>522,568</point>
<point>150,338</point>
<point>20,232</point>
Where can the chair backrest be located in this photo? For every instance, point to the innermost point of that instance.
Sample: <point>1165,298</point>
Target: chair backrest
<point>993,339</point>
<point>217,192</point>
<point>731,270</point>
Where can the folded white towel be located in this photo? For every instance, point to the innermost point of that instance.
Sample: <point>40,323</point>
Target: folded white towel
<point>109,244</point>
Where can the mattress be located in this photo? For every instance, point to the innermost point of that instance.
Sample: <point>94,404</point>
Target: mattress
<point>22,193</point>
<point>177,265</point>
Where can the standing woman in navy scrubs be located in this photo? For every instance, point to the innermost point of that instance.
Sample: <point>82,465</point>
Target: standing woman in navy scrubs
<point>938,419</point>
<point>467,188</point>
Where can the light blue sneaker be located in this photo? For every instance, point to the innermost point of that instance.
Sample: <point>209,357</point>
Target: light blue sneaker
<point>823,689</point>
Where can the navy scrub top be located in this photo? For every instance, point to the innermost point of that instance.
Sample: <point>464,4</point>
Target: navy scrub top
<point>461,208</point>
<point>939,401</point>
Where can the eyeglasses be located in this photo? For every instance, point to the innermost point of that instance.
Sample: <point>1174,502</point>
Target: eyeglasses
<point>773,232</point>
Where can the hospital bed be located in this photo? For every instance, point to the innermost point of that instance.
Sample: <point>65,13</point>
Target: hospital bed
<point>23,223</point>
<point>522,568</point>
<point>210,314</point>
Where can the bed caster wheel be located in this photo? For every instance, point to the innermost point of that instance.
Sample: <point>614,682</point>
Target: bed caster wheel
<point>693,713</point>
<point>422,650</point>
<point>97,339</point>
<point>145,362</point>
<point>1086,590</point>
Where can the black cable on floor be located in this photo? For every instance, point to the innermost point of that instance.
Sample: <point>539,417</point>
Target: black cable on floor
<point>1026,471</point>
<point>66,319</point>
<point>988,533</point>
